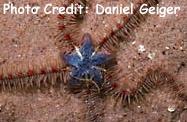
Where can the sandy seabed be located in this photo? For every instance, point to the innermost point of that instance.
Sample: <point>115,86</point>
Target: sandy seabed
<point>29,39</point>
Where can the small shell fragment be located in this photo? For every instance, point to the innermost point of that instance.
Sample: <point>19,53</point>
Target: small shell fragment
<point>171,108</point>
<point>141,49</point>
<point>151,56</point>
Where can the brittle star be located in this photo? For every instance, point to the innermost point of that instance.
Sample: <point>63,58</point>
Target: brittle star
<point>87,69</point>
<point>86,65</point>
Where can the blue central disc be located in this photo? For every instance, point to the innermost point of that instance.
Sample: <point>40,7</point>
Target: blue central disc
<point>86,63</point>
